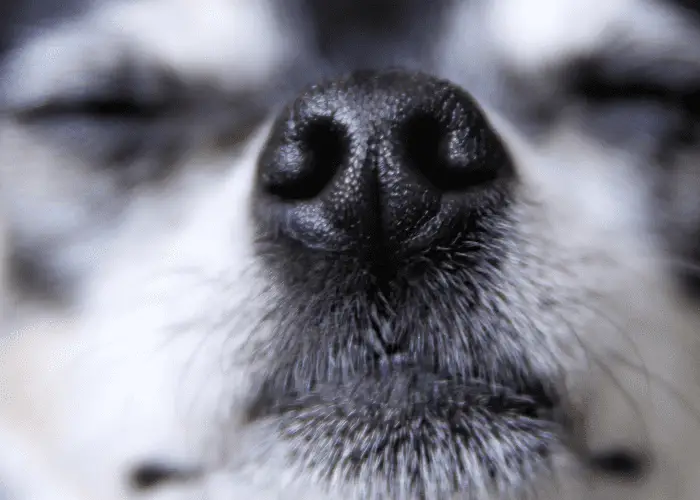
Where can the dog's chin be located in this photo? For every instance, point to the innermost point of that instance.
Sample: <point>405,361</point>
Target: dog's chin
<point>405,424</point>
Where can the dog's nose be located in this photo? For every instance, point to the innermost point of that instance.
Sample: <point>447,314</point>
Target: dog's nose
<point>389,161</point>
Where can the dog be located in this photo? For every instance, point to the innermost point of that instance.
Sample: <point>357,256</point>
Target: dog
<point>348,249</point>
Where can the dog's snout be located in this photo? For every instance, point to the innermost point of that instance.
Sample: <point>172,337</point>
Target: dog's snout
<point>381,160</point>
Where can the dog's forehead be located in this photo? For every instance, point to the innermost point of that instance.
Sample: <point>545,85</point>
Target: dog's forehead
<point>215,35</point>
<point>246,39</point>
<point>568,29</point>
<point>368,33</point>
<point>220,42</point>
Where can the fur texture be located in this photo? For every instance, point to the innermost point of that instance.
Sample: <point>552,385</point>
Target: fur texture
<point>159,341</point>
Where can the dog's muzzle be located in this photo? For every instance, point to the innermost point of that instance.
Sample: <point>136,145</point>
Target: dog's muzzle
<point>383,206</point>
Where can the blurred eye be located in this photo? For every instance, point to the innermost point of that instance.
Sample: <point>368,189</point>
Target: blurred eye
<point>601,82</point>
<point>642,106</point>
<point>115,120</point>
<point>110,131</point>
<point>131,92</point>
<point>138,124</point>
<point>103,108</point>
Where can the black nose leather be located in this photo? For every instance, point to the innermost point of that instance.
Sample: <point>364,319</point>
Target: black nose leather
<point>389,161</point>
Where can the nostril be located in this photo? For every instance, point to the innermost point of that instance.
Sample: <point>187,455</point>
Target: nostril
<point>304,163</point>
<point>450,160</point>
<point>381,163</point>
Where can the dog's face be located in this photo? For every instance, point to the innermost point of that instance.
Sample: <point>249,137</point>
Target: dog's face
<point>334,250</point>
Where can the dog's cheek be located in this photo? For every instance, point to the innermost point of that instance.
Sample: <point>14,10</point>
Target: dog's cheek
<point>3,272</point>
<point>677,189</point>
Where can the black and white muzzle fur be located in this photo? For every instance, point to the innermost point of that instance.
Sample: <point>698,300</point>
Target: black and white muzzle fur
<point>347,249</point>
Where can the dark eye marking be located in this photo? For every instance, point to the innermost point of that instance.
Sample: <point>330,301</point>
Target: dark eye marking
<point>601,81</point>
<point>621,463</point>
<point>131,91</point>
<point>651,105</point>
<point>151,475</point>
<point>138,122</point>
<point>100,108</point>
